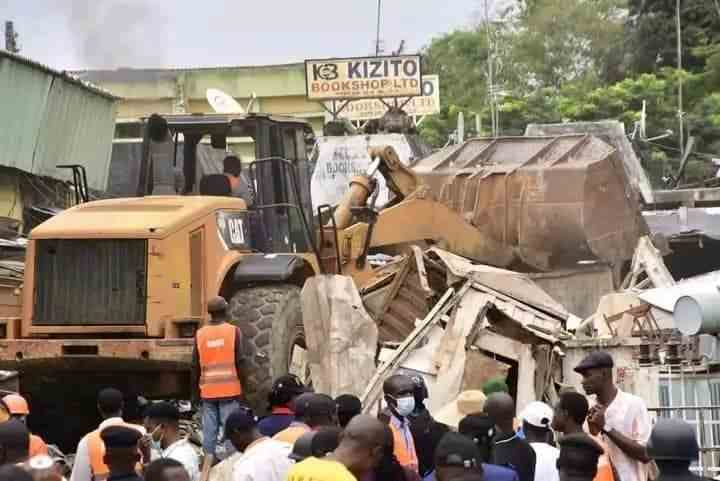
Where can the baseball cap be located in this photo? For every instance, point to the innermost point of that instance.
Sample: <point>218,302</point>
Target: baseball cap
<point>289,383</point>
<point>457,450</point>
<point>242,419</point>
<point>537,414</point>
<point>162,410</point>
<point>480,427</point>
<point>596,359</point>
<point>314,404</point>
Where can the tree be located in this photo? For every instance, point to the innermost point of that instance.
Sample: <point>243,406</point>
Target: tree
<point>651,29</point>
<point>561,41</point>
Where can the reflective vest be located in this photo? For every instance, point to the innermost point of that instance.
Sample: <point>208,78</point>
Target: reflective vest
<point>404,448</point>
<point>216,352</point>
<point>96,454</point>
<point>37,446</point>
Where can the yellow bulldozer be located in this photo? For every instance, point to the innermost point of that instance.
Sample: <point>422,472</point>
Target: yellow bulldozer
<point>115,289</point>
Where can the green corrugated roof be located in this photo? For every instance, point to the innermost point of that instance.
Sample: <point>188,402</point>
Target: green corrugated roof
<point>49,118</point>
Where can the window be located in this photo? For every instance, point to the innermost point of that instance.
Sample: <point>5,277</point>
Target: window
<point>695,399</point>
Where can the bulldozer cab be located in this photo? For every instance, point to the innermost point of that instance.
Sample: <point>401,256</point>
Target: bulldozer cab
<point>176,158</point>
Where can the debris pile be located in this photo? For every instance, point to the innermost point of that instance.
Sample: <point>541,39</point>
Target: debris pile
<point>596,267</point>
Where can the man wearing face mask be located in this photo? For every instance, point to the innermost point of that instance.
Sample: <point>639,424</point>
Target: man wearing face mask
<point>162,421</point>
<point>399,393</point>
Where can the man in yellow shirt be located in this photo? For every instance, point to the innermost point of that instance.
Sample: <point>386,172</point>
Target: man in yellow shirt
<point>359,452</point>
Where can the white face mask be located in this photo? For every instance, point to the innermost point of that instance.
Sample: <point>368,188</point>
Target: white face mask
<point>405,405</point>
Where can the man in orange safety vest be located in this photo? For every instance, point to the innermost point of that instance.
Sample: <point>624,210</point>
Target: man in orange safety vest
<point>217,370</point>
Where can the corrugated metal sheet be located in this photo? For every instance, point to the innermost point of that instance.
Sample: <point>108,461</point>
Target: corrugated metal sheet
<point>48,118</point>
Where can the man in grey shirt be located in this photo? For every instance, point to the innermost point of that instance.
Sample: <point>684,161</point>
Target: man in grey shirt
<point>239,183</point>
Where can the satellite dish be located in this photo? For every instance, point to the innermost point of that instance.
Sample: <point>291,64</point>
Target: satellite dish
<point>222,103</point>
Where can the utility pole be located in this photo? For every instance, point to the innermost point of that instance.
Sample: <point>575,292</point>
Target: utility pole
<point>681,114</point>
<point>491,75</point>
<point>11,38</point>
<point>377,36</point>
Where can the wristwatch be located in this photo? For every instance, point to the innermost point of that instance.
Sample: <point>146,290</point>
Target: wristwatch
<point>606,429</point>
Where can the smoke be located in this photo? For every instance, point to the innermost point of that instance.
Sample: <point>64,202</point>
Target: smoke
<point>119,33</point>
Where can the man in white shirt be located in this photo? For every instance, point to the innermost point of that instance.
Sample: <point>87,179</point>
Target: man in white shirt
<point>622,418</point>
<point>87,462</point>
<point>537,418</point>
<point>263,459</point>
<point>162,421</point>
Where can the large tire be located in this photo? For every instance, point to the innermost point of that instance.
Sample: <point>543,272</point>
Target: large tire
<point>270,318</point>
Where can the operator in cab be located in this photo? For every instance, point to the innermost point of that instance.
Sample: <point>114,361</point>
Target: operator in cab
<point>217,369</point>
<point>239,183</point>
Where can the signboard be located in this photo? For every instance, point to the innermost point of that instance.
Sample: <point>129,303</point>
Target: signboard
<point>341,158</point>
<point>362,78</point>
<point>427,104</point>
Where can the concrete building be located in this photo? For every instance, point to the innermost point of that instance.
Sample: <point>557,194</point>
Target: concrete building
<point>276,89</point>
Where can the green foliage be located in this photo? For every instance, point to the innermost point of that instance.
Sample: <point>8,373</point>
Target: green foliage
<point>588,60</point>
<point>652,31</point>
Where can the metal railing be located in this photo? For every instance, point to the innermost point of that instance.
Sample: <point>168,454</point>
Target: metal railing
<point>706,421</point>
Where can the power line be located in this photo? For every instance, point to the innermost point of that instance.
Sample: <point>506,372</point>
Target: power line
<point>377,36</point>
<point>681,133</point>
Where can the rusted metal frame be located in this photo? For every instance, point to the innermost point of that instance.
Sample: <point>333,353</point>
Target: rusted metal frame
<point>582,141</point>
<point>542,151</point>
<point>448,301</point>
<point>483,153</point>
<point>400,277</point>
<point>506,180</point>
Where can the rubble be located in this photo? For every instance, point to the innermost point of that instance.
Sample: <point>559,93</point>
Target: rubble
<point>476,316</point>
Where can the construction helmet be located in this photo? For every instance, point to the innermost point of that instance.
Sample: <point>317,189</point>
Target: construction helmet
<point>673,440</point>
<point>16,404</point>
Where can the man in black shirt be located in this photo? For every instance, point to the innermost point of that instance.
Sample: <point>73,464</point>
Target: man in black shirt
<point>509,449</point>
<point>426,431</point>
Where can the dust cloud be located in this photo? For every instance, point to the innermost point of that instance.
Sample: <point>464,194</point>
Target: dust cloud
<point>119,33</point>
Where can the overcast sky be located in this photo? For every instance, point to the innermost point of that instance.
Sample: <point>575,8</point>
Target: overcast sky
<point>77,34</point>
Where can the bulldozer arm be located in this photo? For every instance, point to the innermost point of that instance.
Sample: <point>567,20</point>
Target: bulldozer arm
<point>418,220</point>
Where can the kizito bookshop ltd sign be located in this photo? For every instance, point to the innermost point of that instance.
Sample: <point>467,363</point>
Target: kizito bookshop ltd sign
<point>363,78</point>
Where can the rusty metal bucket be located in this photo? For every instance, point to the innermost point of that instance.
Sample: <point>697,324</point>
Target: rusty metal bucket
<point>556,200</point>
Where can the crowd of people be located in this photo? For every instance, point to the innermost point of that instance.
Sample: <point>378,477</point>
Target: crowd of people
<point>604,434</point>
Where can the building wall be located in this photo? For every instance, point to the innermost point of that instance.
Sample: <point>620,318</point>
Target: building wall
<point>278,89</point>
<point>137,108</point>
<point>48,118</point>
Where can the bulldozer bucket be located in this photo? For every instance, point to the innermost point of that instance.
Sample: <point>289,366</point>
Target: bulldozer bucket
<point>555,200</point>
